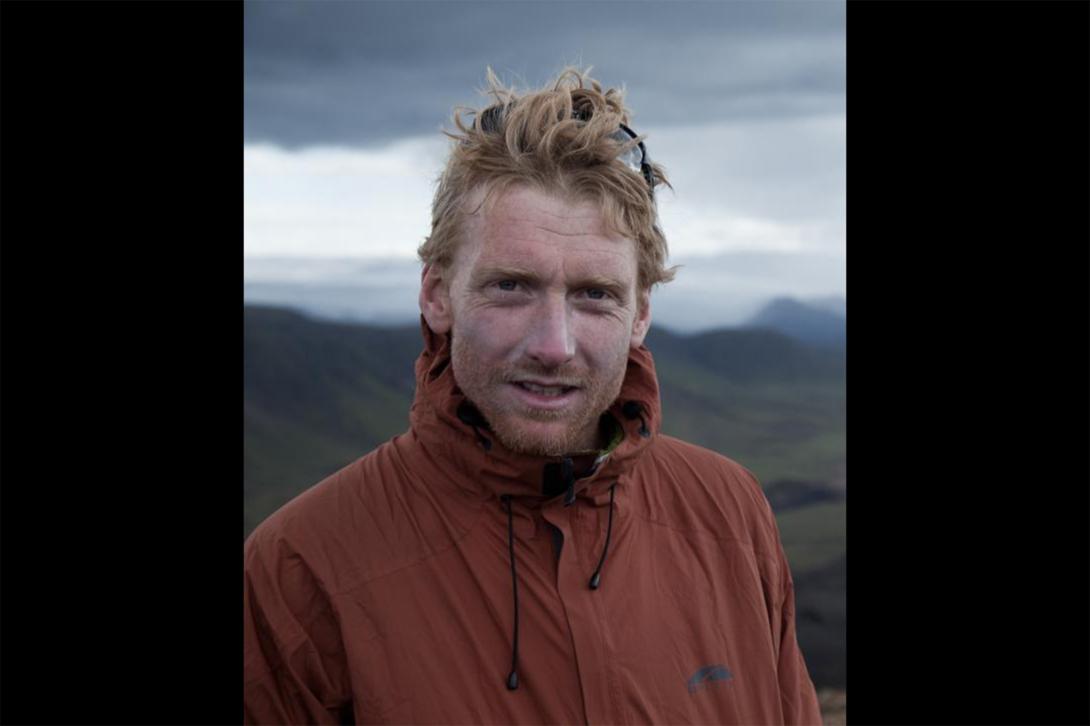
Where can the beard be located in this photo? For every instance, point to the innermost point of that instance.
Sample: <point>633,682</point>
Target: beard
<point>528,429</point>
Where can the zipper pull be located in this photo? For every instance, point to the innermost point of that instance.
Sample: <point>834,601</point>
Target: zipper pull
<point>567,472</point>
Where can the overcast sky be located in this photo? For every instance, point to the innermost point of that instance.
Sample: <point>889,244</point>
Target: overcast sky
<point>743,103</point>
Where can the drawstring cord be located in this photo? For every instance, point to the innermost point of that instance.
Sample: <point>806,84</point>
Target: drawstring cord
<point>567,473</point>
<point>631,410</point>
<point>513,677</point>
<point>596,579</point>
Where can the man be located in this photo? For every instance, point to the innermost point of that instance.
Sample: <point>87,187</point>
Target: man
<point>533,549</point>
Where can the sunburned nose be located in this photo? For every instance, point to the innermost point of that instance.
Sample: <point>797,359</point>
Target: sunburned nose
<point>549,340</point>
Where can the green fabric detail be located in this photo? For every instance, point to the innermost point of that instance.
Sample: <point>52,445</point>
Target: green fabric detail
<point>615,440</point>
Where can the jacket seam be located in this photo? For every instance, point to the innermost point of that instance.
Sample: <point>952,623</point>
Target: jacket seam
<point>710,535</point>
<point>433,553</point>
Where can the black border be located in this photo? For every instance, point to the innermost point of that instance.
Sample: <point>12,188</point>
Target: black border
<point>967,362</point>
<point>120,299</point>
<point>121,373</point>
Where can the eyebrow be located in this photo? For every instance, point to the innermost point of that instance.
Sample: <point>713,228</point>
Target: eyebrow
<point>506,272</point>
<point>521,274</point>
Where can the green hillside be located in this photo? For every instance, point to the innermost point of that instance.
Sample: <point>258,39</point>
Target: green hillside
<point>771,403</point>
<point>317,395</point>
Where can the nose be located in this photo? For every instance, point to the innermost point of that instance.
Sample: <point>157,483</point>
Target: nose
<point>551,343</point>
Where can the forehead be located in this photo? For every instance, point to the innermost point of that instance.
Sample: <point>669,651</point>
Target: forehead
<point>523,226</point>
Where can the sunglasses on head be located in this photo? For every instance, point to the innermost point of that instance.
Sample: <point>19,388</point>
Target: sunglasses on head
<point>635,158</point>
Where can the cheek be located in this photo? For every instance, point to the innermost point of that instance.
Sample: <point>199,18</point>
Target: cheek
<point>603,340</point>
<point>492,335</point>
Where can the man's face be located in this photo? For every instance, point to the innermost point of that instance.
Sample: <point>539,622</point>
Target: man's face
<point>542,304</point>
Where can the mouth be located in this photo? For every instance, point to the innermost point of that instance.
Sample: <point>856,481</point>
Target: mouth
<point>545,389</point>
<point>543,394</point>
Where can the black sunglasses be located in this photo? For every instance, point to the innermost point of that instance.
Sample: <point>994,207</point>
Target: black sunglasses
<point>635,158</point>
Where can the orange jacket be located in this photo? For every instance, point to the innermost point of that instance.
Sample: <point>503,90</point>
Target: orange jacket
<point>387,593</point>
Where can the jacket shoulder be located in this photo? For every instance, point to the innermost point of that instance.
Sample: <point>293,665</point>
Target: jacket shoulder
<point>698,490</point>
<point>369,518</point>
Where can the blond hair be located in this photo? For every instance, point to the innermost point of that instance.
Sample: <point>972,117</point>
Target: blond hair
<point>558,140</point>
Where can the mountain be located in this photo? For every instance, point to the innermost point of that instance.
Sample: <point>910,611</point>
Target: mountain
<point>786,494</point>
<point>316,396</point>
<point>834,304</point>
<point>818,323</point>
<point>747,355</point>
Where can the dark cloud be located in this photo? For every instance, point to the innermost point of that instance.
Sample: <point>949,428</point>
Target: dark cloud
<point>367,72</point>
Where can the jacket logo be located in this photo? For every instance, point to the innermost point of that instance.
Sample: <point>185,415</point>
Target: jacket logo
<point>708,675</point>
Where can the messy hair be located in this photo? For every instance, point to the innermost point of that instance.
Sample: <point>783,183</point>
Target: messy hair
<point>558,140</point>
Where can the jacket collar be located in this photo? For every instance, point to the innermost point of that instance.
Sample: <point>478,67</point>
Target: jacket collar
<point>449,428</point>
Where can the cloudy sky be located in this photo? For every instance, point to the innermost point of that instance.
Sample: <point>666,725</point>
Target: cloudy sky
<point>743,103</point>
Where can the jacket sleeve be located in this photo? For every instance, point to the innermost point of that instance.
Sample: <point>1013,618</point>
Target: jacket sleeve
<point>798,697</point>
<point>294,666</point>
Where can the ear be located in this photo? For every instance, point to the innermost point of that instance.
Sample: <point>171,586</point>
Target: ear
<point>642,323</point>
<point>435,299</point>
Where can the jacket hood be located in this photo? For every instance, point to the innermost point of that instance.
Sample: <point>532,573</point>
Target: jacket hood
<point>451,430</point>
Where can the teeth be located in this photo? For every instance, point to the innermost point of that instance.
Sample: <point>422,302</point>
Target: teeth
<point>544,390</point>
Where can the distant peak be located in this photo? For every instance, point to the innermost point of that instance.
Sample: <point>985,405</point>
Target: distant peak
<point>806,321</point>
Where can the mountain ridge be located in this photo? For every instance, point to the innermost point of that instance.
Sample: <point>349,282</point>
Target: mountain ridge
<point>818,322</point>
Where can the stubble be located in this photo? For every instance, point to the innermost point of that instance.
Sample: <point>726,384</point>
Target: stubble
<point>512,422</point>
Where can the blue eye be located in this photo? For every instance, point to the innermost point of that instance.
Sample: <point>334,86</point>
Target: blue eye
<point>507,285</point>
<point>596,293</point>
